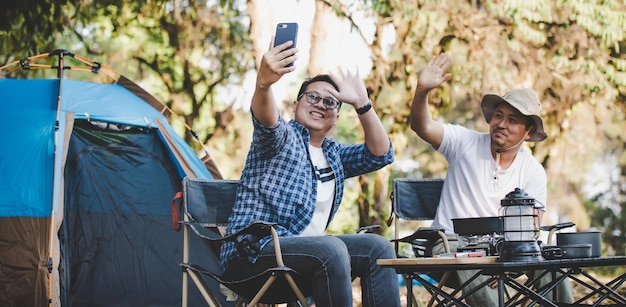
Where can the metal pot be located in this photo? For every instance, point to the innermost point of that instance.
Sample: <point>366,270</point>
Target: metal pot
<point>576,238</point>
<point>575,251</point>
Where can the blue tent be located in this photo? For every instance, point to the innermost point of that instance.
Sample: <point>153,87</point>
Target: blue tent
<point>89,171</point>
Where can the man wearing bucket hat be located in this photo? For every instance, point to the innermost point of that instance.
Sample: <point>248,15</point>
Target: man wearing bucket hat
<point>482,167</point>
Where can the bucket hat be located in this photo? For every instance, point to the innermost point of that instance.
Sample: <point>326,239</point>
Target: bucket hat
<point>524,100</point>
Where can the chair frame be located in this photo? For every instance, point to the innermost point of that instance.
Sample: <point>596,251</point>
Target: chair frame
<point>201,229</point>
<point>427,204</point>
<point>431,199</point>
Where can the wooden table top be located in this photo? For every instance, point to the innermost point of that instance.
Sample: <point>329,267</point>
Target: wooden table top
<point>436,261</point>
<point>491,262</point>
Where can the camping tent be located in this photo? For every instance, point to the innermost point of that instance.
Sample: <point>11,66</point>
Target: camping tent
<point>88,174</point>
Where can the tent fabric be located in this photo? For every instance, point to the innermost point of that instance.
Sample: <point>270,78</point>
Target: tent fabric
<point>94,181</point>
<point>23,258</point>
<point>27,147</point>
<point>104,213</point>
<point>26,150</point>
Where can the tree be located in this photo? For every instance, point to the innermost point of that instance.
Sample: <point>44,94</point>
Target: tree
<point>568,51</point>
<point>39,22</point>
<point>188,54</point>
<point>194,56</point>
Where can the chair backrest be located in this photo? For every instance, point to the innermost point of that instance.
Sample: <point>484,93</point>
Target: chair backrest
<point>416,198</point>
<point>208,204</point>
<point>209,201</point>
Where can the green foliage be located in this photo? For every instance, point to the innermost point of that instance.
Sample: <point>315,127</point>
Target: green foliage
<point>612,220</point>
<point>382,8</point>
<point>29,27</point>
<point>568,51</point>
<point>193,54</point>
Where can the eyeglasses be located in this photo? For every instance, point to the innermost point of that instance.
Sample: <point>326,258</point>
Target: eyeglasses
<point>314,97</point>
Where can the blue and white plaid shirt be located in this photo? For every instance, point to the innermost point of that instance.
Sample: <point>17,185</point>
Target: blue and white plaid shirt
<point>278,184</point>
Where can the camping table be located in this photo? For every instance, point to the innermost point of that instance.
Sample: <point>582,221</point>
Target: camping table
<point>505,272</point>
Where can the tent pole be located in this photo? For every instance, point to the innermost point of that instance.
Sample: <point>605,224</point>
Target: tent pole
<point>60,68</point>
<point>185,287</point>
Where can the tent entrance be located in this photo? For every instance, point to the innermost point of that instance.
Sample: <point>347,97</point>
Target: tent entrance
<point>117,243</point>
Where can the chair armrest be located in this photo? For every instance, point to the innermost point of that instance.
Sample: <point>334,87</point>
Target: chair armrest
<point>368,229</point>
<point>424,238</point>
<point>424,233</point>
<point>202,231</point>
<point>258,229</point>
<point>245,239</point>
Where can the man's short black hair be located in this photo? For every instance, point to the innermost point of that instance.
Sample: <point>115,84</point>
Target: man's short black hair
<point>323,78</point>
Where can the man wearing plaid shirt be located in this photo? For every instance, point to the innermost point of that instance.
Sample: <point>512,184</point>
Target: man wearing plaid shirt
<point>294,177</point>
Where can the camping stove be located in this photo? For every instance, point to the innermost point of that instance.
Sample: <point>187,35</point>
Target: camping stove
<point>487,243</point>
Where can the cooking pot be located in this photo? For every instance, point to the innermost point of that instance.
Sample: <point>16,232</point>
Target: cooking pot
<point>475,226</point>
<point>575,251</point>
<point>585,237</point>
<point>566,251</point>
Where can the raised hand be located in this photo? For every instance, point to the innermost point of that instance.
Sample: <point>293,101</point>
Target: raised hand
<point>435,73</point>
<point>351,88</point>
<point>273,67</point>
<point>274,64</point>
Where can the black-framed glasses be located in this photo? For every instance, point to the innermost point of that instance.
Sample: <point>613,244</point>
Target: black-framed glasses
<point>329,103</point>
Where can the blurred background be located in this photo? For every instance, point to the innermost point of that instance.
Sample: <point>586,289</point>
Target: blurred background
<point>199,58</point>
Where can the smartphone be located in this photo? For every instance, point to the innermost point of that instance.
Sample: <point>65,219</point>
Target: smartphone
<point>286,31</point>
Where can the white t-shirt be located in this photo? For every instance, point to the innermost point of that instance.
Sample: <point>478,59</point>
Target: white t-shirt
<point>471,187</point>
<point>325,193</point>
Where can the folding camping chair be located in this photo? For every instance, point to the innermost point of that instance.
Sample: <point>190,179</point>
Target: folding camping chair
<point>207,205</point>
<point>418,199</point>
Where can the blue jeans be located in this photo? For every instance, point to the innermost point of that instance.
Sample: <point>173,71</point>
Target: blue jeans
<point>332,262</point>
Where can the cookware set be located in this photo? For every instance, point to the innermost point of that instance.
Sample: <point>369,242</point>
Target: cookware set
<point>486,233</point>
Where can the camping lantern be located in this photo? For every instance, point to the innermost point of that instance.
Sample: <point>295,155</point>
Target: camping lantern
<point>520,227</point>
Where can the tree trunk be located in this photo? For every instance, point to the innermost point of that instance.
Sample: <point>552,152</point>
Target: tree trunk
<point>324,35</point>
<point>261,28</point>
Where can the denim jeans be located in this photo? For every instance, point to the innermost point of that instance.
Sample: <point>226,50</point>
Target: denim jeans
<point>332,262</point>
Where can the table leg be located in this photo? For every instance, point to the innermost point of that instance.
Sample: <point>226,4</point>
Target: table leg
<point>448,298</point>
<point>409,290</point>
<point>606,291</point>
<point>500,291</point>
<point>555,294</point>
<point>526,291</point>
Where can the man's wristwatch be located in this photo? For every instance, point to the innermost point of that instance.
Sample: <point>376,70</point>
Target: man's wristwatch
<point>362,110</point>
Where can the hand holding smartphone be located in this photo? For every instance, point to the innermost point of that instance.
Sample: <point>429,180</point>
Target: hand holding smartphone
<point>286,31</point>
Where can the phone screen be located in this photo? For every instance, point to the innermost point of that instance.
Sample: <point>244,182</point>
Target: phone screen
<point>286,31</point>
